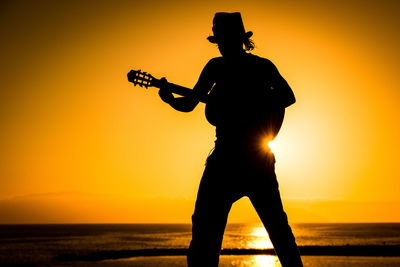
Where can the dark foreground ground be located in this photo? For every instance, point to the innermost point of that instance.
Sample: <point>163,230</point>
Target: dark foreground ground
<point>377,251</point>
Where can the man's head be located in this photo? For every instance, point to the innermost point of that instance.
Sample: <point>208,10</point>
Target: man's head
<point>229,33</point>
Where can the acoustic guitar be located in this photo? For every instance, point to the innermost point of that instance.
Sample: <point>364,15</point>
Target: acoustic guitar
<point>144,79</point>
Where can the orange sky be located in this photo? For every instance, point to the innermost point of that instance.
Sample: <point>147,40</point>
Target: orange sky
<point>78,143</point>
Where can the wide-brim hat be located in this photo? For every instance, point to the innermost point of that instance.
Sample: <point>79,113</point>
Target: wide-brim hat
<point>228,26</point>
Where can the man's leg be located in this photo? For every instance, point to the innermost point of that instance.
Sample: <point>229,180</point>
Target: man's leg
<point>209,218</point>
<point>267,202</point>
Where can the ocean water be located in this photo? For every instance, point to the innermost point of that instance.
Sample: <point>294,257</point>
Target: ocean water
<point>40,244</point>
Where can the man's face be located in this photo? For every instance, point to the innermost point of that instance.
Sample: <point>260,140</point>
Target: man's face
<point>230,47</point>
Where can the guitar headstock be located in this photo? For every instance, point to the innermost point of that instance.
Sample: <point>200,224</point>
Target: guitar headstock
<point>138,77</point>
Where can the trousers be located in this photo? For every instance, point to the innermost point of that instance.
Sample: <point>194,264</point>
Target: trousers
<point>229,175</point>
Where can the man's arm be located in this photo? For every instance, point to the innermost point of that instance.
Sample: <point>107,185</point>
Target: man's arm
<point>284,96</point>
<point>188,103</point>
<point>279,97</point>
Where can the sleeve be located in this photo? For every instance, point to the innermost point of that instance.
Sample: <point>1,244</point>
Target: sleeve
<point>206,79</point>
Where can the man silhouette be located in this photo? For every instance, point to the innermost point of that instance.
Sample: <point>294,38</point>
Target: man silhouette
<point>246,104</point>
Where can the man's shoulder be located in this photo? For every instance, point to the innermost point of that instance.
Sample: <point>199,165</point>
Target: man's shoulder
<point>261,60</point>
<point>215,60</point>
<point>213,64</point>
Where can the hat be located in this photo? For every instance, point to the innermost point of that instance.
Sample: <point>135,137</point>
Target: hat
<point>228,25</point>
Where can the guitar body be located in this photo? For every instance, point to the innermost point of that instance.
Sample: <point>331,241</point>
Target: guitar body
<point>270,120</point>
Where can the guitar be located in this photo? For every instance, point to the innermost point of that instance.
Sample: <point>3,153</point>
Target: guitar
<point>144,79</point>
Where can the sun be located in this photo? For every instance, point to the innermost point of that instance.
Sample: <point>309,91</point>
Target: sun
<point>268,144</point>
<point>272,145</point>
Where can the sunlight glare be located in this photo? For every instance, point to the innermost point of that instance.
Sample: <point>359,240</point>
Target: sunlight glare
<point>272,145</point>
<point>267,144</point>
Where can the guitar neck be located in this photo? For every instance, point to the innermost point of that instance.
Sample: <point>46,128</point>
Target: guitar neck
<point>177,89</point>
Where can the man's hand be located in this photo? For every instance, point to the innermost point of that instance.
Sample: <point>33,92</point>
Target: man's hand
<point>164,92</point>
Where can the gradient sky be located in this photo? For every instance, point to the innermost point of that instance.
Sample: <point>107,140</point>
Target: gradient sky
<point>78,143</point>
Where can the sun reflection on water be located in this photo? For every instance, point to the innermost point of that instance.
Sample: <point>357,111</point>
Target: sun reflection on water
<point>258,238</point>
<point>258,261</point>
